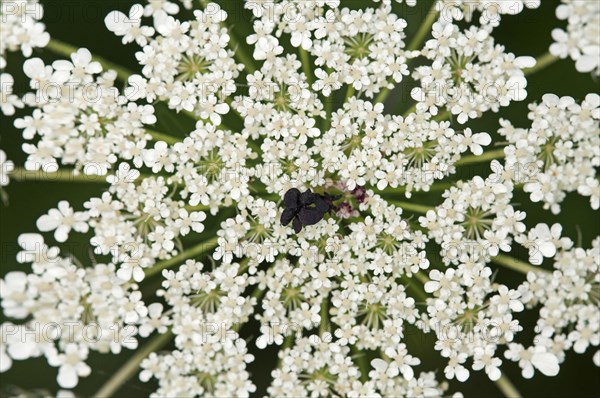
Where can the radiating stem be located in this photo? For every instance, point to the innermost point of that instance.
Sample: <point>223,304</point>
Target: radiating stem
<point>60,175</point>
<point>287,343</point>
<point>324,325</point>
<point>412,109</point>
<point>422,278</point>
<point>200,248</point>
<point>257,293</point>
<point>382,96</point>
<point>305,58</point>
<point>360,357</point>
<point>424,28</point>
<point>157,136</point>
<point>412,207</point>
<point>443,115</point>
<point>64,49</point>
<point>442,186</point>
<point>349,92</point>
<point>126,372</point>
<point>233,43</point>
<point>234,112</point>
<point>415,288</point>
<point>507,387</point>
<point>489,155</point>
<point>197,208</point>
<point>240,53</point>
<point>516,265</point>
<point>328,111</point>
<point>542,62</point>
<point>435,187</point>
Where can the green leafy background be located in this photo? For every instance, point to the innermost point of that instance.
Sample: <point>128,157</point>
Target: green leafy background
<point>80,23</point>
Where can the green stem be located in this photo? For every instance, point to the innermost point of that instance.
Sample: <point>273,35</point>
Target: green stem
<point>131,367</point>
<point>61,175</point>
<point>436,187</point>
<point>442,186</point>
<point>157,136</point>
<point>349,92</point>
<point>422,278</point>
<point>240,54</point>
<point>328,112</point>
<point>189,114</point>
<point>486,156</point>
<point>360,358</point>
<point>234,112</point>
<point>412,207</point>
<point>542,62</point>
<point>197,208</point>
<point>382,96</point>
<point>305,58</point>
<point>324,325</point>
<point>64,49</point>
<point>516,265</point>
<point>507,387</point>
<point>233,42</point>
<point>257,293</point>
<point>200,248</point>
<point>412,109</point>
<point>439,117</point>
<point>415,288</point>
<point>424,29</point>
<point>446,114</point>
<point>287,343</point>
<point>328,104</point>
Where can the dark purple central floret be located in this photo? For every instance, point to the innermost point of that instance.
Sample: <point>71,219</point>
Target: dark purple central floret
<point>360,193</point>
<point>306,208</point>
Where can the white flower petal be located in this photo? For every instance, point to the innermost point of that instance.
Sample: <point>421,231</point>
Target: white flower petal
<point>546,362</point>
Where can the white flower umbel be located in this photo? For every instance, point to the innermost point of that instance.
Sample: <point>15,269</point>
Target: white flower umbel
<point>581,40</point>
<point>559,153</point>
<point>76,96</point>
<point>469,74</point>
<point>21,28</point>
<point>276,206</point>
<point>186,64</point>
<point>69,310</point>
<point>490,11</point>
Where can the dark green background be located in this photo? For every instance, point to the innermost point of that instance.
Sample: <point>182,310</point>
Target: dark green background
<point>80,23</point>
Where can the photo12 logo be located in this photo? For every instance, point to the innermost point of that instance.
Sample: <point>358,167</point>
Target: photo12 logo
<point>23,10</point>
<point>68,331</point>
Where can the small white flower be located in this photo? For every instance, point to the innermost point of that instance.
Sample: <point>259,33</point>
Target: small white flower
<point>484,358</point>
<point>591,188</point>
<point>129,26</point>
<point>71,365</point>
<point>62,220</point>
<point>79,69</point>
<point>533,357</point>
